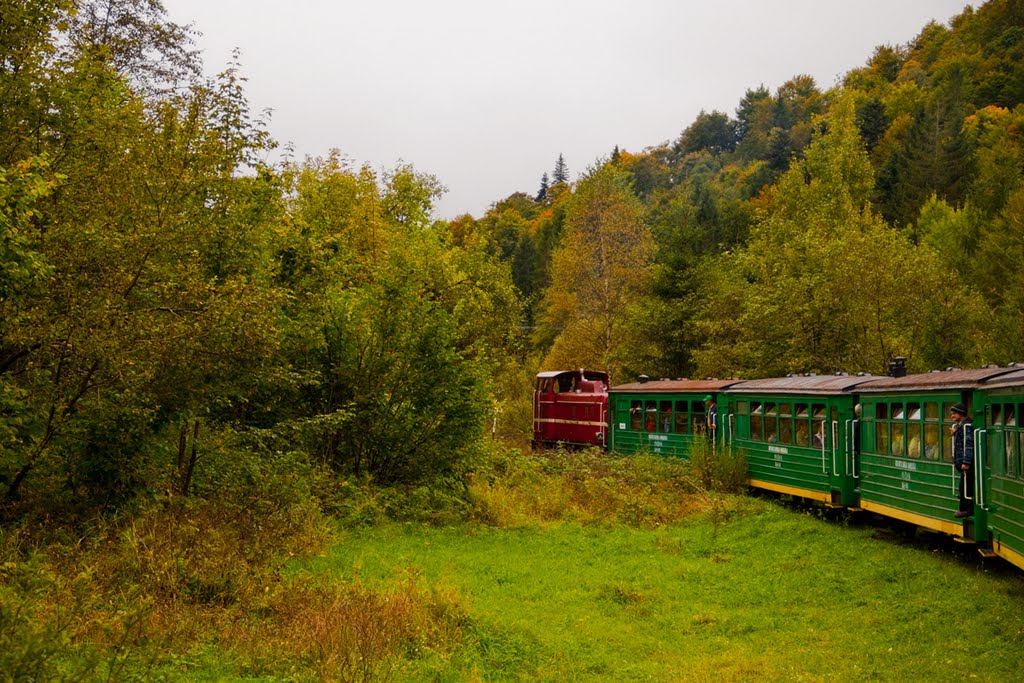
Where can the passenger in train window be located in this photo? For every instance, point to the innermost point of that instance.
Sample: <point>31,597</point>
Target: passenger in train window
<point>963,458</point>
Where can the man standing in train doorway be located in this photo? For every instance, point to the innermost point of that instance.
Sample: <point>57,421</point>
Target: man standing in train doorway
<point>963,458</point>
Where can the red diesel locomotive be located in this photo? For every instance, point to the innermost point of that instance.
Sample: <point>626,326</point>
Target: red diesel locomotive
<point>571,407</point>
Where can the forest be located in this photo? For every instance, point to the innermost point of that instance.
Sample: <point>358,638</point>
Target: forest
<point>195,332</point>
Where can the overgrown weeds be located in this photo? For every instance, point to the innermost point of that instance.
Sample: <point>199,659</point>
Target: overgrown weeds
<point>592,486</point>
<point>126,600</point>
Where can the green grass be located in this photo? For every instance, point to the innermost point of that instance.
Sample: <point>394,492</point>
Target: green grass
<point>763,593</point>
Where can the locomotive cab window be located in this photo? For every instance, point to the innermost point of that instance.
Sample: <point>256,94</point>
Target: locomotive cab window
<point>756,414</point>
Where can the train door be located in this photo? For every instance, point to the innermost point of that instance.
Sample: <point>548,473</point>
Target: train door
<point>838,458</point>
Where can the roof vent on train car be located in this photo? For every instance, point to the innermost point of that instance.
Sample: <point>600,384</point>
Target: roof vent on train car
<point>897,367</point>
<point>1014,364</point>
<point>643,379</point>
<point>951,368</point>
<point>990,366</point>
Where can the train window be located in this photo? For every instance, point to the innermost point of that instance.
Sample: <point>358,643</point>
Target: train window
<point>681,418</point>
<point>1010,415</point>
<point>931,441</point>
<point>882,438</point>
<point>666,416</point>
<point>914,439</point>
<point>897,446</point>
<point>742,408</point>
<point>771,424</point>
<point>785,423</point>
<point>698,420</point>
<point>897,411</point>
<point>997,414</point>
<point>913,411</point>
<point>802,429</point>
<point>636,416</point>
<point>1010,451</point>
<point>755,421</point>
<point>650,417</point>
<point>947,441</point>
<point>881,411</point>
<point>818,425</point>
<point>1020,452</point>
<point>931,411</point>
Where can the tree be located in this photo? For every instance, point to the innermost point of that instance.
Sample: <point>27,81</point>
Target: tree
<point>601,273</point>
<point>714,132</point>
<point>542,193</point>
<point>561,172</point>
<point>824,284</point>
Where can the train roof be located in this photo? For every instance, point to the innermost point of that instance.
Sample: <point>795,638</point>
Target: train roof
<point>1010,379</point>
<point>801,384</point>
<point>953,378</point>
<point>674,386</point>
<point>548,374</point>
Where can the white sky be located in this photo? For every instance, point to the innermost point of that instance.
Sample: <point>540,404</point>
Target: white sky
<point>485,94</point>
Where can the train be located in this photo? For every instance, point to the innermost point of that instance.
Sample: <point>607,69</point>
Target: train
<point>880,443</point>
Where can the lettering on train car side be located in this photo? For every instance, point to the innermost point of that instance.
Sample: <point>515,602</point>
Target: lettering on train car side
<point>778,449</point>
<point>904,465</point>
<point>657,437</point>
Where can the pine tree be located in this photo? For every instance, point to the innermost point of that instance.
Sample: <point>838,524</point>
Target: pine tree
<point>561,174</point>
<point>543,193</point>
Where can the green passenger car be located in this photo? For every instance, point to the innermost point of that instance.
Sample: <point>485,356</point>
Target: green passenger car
<point>798,434</point>
<point>664,416</point>
<point>906,456</point>
<point>1001,492</point>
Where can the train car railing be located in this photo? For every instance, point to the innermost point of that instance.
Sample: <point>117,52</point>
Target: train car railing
<point>979,459</point>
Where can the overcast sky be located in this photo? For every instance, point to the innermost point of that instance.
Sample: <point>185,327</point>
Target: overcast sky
<point>485,95</point>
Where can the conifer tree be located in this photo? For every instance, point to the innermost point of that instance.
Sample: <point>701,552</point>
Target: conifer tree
<point>543,192</point>
<point>561,174</point>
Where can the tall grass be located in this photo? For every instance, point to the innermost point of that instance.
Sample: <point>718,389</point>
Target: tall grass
<point>592,486</point>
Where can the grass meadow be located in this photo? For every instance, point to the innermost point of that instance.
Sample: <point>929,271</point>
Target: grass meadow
<point>548,567</point>
<point>762,592</point>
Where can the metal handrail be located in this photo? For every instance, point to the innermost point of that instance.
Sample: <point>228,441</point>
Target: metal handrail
<point>853,449</point>
<point>835,438</point>
<point>824,467</point>
<point>846,444</point>
<point>979,454</point>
